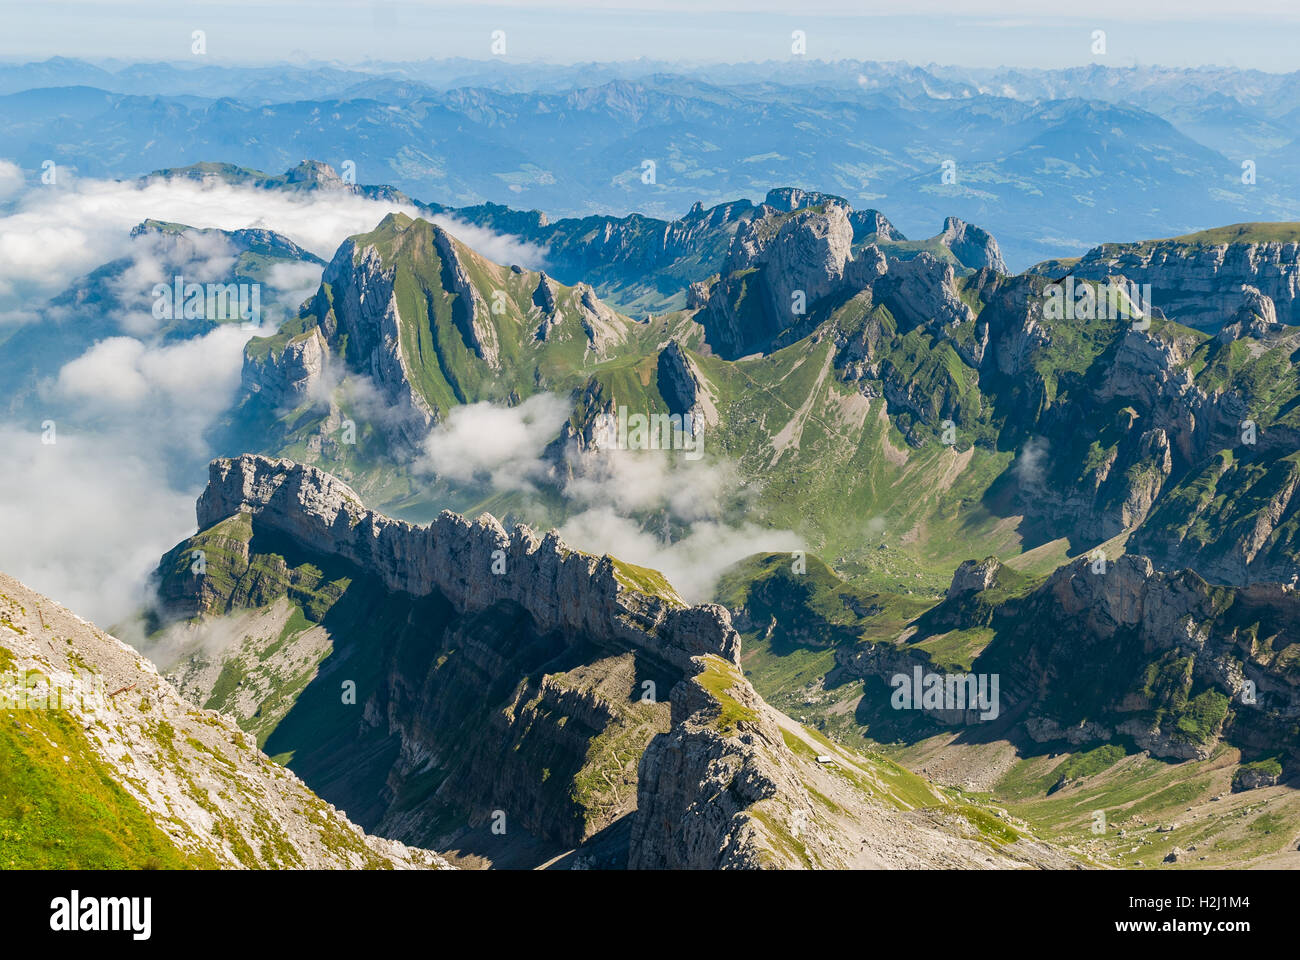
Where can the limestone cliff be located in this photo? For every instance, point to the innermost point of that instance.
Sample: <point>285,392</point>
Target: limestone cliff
<point>502,678</point>
<point>561,589</point>
<point>1100,650</point>
<point>1197,280</point>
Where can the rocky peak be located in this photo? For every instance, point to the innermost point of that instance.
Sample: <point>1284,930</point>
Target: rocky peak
<point>873,223</point>
<point>316,174</point>
<point>922,292</point>
<point>683,386</point>
<point>972,246</point>
<point>544,300</point>
<point>806,251</point>
<point>973,576</point>
<point>789,199</point>
<point>1255,318</point>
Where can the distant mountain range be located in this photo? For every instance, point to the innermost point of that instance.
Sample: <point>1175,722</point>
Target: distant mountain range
<point>1054,162</point>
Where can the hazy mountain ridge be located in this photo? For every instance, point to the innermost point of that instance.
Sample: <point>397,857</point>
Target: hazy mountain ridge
<point>1048,160</point>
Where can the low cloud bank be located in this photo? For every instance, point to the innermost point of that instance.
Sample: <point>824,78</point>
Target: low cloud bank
<point>653,508</point>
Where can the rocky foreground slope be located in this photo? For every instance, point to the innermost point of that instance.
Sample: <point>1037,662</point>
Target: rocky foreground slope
<point>102,764</point>
<point>518,701</point>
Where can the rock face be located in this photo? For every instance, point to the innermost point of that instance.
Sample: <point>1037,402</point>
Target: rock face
<point>973,247</point>
<point>361,309</point>
<point>874,225</point>
<point>220,800</point>
<point>973,576</point>
<point>511,672</point>
<point>698,785</point>
<point>725,789</point>
<point>1252,777</point>
<point>684,387</point>
<point>1199,283</point>
<point>430,324</point>
<point>560,589</point>
<point>1255,318</point>
<point>470,311</point>
<point>1123,649</point>
<point>801,250</point>
<point>922,292</point>
<point>504,675</point>
<point>808,252</point>
<point>286,378</point>
<point>777,269</point>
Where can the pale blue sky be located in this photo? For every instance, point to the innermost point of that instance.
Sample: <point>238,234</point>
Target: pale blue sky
<point>1263,34</point>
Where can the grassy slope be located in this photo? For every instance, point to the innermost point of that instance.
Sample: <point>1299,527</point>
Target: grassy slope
<point>61,809</point>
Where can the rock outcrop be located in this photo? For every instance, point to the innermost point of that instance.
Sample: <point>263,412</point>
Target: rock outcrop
<point>357,305</point>
<point>777,269</point>
<point>974,576</point>
<point>561,589</point>
<point>1119,648</point>
<point>973,247</point>
<point>699,785</point>
<point>286,377</point>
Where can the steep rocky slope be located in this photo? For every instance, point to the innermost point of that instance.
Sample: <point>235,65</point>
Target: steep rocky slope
<point>104,765</point>
<point>503,680</point>
<point>1094,653</point>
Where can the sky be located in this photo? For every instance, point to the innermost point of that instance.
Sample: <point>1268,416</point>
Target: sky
<point>1264,34</point>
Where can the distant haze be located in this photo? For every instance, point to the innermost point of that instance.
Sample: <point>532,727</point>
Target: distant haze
<point>1263,35</point>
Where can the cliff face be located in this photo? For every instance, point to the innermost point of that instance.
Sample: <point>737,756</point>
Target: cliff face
<point>1094,653</point>
<point>700,782</point>
<point>501,678</point>
<point>972,246</point>
<point>431,325</point>
<point>559,588</point>
<point>777,269</point>
<point>289,376</point>
<point>496,672</point>
<point>1199,283</point>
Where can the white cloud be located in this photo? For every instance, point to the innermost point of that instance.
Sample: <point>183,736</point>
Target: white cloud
<point>617,497</point>
<point>501,444</point>
<point>497,247</point>
<point>188,379</point>
<point>11,179</point>
<point>158,258</point>
<point>57,233</point>
<point>296,281</point>
<point>85,519</point>
<point>1031,465</point>
<point>632,481</point>
<point>692,564</point>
